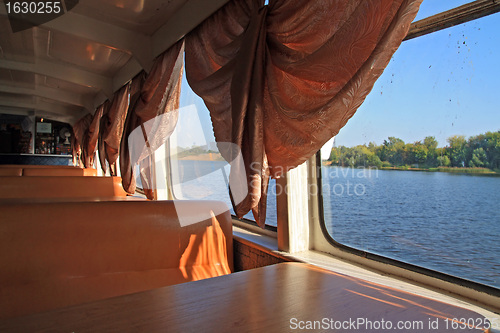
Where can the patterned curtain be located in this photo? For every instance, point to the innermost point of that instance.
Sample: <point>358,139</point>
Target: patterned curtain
<point>91,137</point>
<point>77,141</point>
<point>112,124</point>
<point>102,128</point>
<point>280,80</point>
<point>132,122</point>
<point>153,99</point>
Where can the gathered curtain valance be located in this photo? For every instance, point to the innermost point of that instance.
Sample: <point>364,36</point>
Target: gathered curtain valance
<point>281,80</point>
<point>100,143</point>
<point>148,105</point>
<point>113,121</point>
<point>154,101</point>
<point>91,138</point>
<point>131,122</point>
<point>77,141</point>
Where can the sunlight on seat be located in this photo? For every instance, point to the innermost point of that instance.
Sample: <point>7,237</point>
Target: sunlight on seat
<point>203,250</point>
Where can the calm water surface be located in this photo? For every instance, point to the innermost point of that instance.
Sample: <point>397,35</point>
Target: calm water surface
<point>443,221</point>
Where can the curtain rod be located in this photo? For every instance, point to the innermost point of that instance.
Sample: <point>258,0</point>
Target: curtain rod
<point>452,17</point>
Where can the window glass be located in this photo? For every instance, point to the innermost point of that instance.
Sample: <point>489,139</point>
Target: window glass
<point>414,175</point>
<point>198,169</point>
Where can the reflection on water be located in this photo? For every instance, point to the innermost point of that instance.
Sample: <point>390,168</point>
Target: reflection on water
<point>442,221</point>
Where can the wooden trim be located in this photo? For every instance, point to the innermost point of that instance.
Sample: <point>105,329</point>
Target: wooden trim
<point>252,226</point>
<point>282,213</point>
<point>249,255</point>
<point>452,17</point>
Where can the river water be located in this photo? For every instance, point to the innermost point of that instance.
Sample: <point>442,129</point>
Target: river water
<point>442,221</point>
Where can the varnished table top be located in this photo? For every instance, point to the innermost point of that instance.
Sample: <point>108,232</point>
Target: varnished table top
<point>285,297</point>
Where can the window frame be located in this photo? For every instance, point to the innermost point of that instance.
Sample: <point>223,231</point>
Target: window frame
<point>387,260</point>
<point>440,21</point>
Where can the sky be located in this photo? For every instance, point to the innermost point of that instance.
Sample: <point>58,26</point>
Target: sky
<point>441,84</point>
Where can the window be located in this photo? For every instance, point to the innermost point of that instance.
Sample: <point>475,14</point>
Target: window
<point>198,170</point>
<point>435,109</point>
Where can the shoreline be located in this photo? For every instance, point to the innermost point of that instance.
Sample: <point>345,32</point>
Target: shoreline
<point>203,157</point>
<point>467,171</point>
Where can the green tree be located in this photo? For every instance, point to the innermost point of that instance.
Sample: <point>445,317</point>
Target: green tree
<point>457,150</point>
<point>334,156</point>
<point>482,150</point>
<point>420,153</point>
<point>478,159</point>
<point>373,160</point>
<point>343,155</point>
<point>393,151</point>
<point>493,149</point>
<point>367,158</point>
<point>356,156</point>
<point>372,146</point>
<point>443,161</point>
<point>431,144</point>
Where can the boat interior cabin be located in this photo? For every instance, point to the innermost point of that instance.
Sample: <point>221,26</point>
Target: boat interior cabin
<point>161,170</point>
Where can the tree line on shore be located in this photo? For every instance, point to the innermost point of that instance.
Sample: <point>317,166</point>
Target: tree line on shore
<point>480,151</point>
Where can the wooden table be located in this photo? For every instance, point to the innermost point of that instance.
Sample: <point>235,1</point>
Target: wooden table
<point>279,298</point>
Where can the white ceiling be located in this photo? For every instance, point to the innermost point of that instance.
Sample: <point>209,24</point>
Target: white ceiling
<point>67,67</point>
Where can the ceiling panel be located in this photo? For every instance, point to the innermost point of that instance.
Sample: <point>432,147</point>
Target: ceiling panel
<point>5,96</point>
<point>67,86</point>
<point>69,107</point>
<point>17,78</point>
<point>78,60</point>
<point>91,56</point>
<point>5,75</point>
<point>144,16</point>
<point>18,46</point>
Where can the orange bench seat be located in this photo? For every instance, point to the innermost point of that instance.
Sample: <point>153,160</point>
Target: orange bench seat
<point>45,170</point>
<point>60,254</point>
<point>60,187</point>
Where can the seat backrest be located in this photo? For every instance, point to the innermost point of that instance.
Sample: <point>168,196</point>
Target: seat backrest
<point>45,170</point>
<point>59,254</point>
<point>60,186</point>
<point>59,172</point>
<point>12,171</point>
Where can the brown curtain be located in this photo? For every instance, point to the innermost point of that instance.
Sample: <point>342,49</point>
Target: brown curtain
<point>102,132</point>
<point>158,95</point>
<point>111,130</point>
<point>281,80</point>
<point>90,139</point>
<point>131,122</point>
<point>77,141</point>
